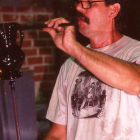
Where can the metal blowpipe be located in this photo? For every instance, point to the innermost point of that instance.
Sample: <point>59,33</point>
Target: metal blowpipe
<point>40,26</point>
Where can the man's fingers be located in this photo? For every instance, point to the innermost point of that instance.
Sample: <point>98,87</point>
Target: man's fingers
<point>54,23</point>
<point>51,31</point>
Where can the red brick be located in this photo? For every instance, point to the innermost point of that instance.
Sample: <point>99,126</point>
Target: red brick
<point>35,9</point>
<point>35,60</point>
<point>50,10</point>
<point>37,77</point>
<point>48,59</point>
<point>28,17</point>
<point>44,51</point>
<point>39,9</point>
<point>43,34</point>
<point>9,17</point>
<point>29,52</point>
<point>31,34</point>
<point>40,42</point>
<point>24,68</point>
<point>25,9</point>
<point>42,18</point>
<point>26,43</point>
<point>7,9</point>
<point>40,69</point>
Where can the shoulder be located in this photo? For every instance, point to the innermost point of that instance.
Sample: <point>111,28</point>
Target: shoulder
<point>130,49</point>
<point>130,40</point>
<point>128,44</point>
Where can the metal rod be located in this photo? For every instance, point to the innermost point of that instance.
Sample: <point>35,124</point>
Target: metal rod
<point>12,83</point>
<point>41,26</point>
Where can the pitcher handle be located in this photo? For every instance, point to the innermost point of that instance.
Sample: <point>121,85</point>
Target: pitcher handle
<point>21,35</point>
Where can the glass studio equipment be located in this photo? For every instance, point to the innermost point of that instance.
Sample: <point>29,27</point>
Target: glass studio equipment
<point>11,60</point>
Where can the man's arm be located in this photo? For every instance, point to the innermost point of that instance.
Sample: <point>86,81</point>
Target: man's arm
<point>56,132</point>
<point>112,71</point>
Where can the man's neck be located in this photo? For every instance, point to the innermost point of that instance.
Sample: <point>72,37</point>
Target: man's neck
<point>105,39</point>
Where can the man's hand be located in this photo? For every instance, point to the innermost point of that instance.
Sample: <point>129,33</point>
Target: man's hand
<point>105,67</point>
<point>56,132</point>
<point>63,37</point>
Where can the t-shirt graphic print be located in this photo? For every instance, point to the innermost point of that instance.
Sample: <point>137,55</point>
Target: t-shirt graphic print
<point>88,98</point>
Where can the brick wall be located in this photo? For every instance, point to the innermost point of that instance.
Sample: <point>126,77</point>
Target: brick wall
<point>40,51</point>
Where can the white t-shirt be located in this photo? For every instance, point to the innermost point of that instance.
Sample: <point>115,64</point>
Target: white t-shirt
<point>91,109</point>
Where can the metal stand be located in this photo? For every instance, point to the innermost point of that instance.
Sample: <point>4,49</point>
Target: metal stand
<point>12,84</point>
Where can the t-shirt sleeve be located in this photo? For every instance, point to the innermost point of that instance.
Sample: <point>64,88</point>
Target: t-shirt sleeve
<point>135,56</point>
<point>57,110</point>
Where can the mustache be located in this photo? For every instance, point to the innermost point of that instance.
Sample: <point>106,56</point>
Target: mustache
<point>81,16</point>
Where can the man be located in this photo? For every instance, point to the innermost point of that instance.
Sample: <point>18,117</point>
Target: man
<point>111,62</point>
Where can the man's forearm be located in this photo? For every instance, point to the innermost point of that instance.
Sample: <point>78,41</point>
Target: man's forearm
<point>51,138</point>
<point>114,72</point>
<point>56,132</point>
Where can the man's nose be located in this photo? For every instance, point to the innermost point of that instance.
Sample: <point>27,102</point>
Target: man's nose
<point>79,7</point>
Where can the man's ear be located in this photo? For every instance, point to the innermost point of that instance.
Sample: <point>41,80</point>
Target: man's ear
<point>114,10</point>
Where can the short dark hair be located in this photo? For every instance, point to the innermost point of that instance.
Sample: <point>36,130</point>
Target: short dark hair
<point>120,19</point>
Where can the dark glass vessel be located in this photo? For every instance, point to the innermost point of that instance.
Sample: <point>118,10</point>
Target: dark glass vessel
<point>11,55</point>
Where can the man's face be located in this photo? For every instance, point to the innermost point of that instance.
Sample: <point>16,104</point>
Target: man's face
<point>98,16</point>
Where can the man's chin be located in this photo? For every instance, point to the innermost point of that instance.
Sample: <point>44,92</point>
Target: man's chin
<point>84,30</point>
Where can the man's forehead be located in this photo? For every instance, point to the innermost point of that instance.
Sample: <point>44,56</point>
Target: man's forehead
<point>90,0</point>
